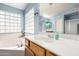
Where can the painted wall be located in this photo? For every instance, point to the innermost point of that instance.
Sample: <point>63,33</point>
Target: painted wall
<point>58,24</point>
<point>53,23</point>
<point>10,9</point>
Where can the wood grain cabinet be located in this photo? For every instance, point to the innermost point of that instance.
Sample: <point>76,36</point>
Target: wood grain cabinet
<point>48,53</point>
<point>39,51</point>
<point>29,52</point>
<point>33,49</point>
<point>27,42</point>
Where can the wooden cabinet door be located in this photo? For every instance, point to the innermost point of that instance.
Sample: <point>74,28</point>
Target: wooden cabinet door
<point>41,51</point>
<point>29,52</point>
<point>48,53</point>
<point>37,50</point>
<point>32,49</point>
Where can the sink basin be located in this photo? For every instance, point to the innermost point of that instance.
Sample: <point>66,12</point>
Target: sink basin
<point>47,41</point>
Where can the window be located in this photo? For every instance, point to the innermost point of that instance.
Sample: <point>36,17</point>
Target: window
<point>29,21</point>
<point>9,22</point>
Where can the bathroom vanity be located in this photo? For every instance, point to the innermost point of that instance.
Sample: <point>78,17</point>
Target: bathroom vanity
<point>36,50</point>
<point>43,46</point>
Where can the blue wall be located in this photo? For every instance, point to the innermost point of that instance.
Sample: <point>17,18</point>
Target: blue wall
<point>10,9</point>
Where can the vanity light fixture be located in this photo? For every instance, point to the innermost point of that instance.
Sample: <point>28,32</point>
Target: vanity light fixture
<point>50,3</point>
<point>36,13</point>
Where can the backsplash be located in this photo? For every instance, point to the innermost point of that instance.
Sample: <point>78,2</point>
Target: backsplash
<point>65,36</point>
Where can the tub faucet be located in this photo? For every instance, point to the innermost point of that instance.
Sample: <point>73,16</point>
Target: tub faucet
<point>20,45</point>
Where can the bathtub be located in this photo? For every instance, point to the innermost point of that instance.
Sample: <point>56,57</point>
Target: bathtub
<point>12,51</point>
<point>10,45</point>
<point>13,48</point>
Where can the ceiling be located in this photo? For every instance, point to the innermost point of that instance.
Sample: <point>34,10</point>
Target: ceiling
<point>21,6</point>
<point>47,10</point>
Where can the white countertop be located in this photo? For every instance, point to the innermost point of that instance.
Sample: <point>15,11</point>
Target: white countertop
<point>62,47</point>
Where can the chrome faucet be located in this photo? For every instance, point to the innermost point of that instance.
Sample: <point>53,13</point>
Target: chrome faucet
<point>20,45</point>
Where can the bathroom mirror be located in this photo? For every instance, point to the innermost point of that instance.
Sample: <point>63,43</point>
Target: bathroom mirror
<point>46,24</point>
<point>71,23</point>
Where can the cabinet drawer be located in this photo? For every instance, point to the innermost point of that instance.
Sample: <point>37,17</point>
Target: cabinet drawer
<point>37,49</point>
